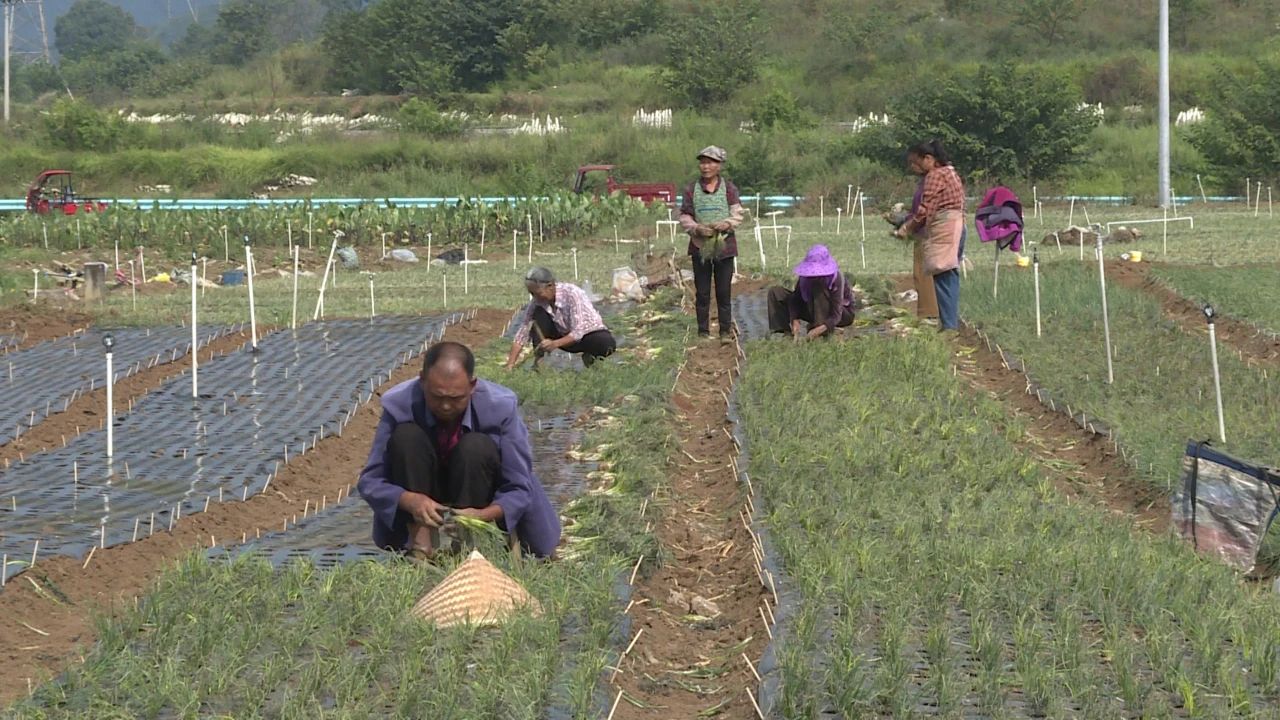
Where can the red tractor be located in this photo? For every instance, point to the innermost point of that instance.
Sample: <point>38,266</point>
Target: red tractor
<point>52,191</point>
<point>645,192</point>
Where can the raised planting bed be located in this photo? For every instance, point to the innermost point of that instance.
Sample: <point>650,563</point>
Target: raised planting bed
<point>175,454</point>
<point>1244,292</point>
<point>940,573</point>
<point>48,377</point>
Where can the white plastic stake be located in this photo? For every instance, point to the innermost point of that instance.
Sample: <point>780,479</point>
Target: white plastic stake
<point>204,274</point>
<point>109,342</point>
<point>117,246</point>
<point>429,252</point>
<point>483,226</point>
<point>1072,215</point>
<point>529,219</point>
<point>45,230</point>
<point>1257,203</point>
<point>79,245</point>
<point>133,285</point>
<point>195,338</point>
<point>288,226</point>
<point>515,253</point>
<point>142,263</point>
<point>466,265</point>
<point>575,264</point>
<point>293,322</point>
<point>862,218</point>
<point>1035,199</point>
<point>253,310</point>
<point>839,214</point>
<point>309,218</point>
<point>1035,270</point>
<point>373,309</point>
<point>1203,199</point>
<point>35,289</point>
<point>325,279</point>
<point>1217,378</point>
<point>848,198</point>
<point>384,246</point>
<point>1106,321</point>
<point>1248,188</point>
<point>226,245</point>
<point>1166,231</point>
<point>445,288</point>
<point>822,211</point>
<point>995,282</point>
<point>617,248</point>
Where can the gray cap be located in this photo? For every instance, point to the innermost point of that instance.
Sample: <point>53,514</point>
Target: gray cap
<point>540,276</point>
<point>712,152</point>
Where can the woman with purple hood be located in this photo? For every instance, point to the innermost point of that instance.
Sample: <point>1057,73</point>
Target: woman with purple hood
<point>823,298</point>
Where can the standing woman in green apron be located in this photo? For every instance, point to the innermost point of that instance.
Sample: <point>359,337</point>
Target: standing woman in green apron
<point>710,211</point>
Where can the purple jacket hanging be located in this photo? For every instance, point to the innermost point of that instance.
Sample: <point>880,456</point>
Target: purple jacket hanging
<point>999,218</point>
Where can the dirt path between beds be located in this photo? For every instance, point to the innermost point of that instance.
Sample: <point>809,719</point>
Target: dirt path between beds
<point>46,614</point>
<point>698,616</point>
<point>1252,345</point>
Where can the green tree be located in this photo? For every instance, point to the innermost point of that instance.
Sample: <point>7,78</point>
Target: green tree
<point>711,51</point>
<point>1050,19</point>
<point>1241,135</point>
<point>77,125</point>
<point>91,27</point>
<point>1001,121</point>
<point>242,31</point>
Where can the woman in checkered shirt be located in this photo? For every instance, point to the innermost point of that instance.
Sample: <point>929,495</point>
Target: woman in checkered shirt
<point>941,213</point>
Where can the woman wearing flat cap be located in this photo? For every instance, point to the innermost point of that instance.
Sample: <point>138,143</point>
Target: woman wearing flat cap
<point>709,212</point>
<point>823,298</point>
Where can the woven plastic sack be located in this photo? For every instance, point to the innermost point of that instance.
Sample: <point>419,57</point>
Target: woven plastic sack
<point>1226,505</point>
<point>626,284</point>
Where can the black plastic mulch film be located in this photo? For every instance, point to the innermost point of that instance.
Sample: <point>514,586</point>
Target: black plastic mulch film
<point>48,377</point>
<point>175,454</point>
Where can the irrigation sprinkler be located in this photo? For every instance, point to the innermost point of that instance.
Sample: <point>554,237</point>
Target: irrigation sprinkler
<point>325,279</point>
<point>253,310</point>
<point>839,215</point>
<point>108,343</point>
<point>1106,321</point>
<point>1217,378</point>
<point>195,354</point>
<point>848,197</point>
<point>1035,271</point>
<point>862,218</point>
<point>373,308</point>
<point>1199,184</point>
<point>293,322</point>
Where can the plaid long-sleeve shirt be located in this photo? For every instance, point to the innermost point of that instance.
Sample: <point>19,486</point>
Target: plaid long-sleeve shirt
<point>943,190</point>
<point>572,313</point>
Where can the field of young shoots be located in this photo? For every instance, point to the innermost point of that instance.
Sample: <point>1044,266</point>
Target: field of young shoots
<point>940,573</point>
<point>244,640</point>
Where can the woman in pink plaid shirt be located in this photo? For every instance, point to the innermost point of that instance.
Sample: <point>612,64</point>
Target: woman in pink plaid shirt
<point>941,212</point>
<point>560,316</point>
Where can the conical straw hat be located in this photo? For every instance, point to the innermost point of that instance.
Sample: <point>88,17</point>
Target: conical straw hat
<point>476,593</point>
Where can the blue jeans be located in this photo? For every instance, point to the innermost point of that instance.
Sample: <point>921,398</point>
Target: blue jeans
<point>947,287</point>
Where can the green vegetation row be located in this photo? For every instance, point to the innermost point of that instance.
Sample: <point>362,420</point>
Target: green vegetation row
<point>1163,392</point>
<point>939,570</point>
<point>558,217</point>
<point>243,640</point>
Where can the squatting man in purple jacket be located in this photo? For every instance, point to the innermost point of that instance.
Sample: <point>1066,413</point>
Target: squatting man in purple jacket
<point>448,441</point>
